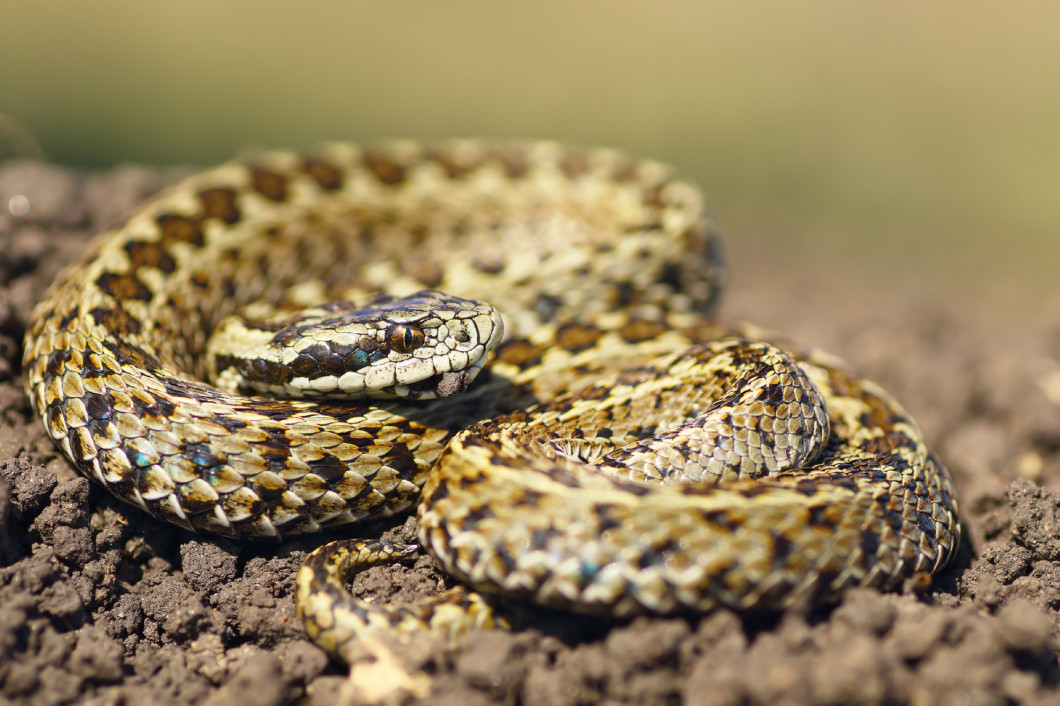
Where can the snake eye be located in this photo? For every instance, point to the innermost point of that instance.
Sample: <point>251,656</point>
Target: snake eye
<point>404,338</point>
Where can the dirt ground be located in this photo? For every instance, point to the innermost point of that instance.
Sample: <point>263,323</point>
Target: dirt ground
<point>100,604</point>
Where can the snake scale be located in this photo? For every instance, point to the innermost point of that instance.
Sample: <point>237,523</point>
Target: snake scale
<point>620,453</point>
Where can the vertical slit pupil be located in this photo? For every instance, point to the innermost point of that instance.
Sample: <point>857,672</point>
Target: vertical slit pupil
<point>404,338</point>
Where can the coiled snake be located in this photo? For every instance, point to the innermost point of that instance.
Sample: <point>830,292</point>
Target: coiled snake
<point>620,454</point>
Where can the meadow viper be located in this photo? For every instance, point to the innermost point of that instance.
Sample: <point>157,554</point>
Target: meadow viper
<point>621,453</point>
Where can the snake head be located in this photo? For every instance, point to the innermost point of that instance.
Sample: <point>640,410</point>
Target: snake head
<point>422,346</point>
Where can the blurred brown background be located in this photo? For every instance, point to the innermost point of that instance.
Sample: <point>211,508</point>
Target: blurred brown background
<point>919,140</point>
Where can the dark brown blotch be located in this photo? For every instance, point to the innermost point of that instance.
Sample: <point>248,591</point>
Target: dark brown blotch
<point>256,370</point>
<point>626,294</point>
<point>520,353</point>
<point>514,162</point>
<point>641,330</point>
<point>654,555</point>
<point>69,317</point>
<point>305,366</point>
<point>219,203</point>
<point>453,169</point>
<point>201,280</point>
<point>722,518</point>
<point>123,287</point>
<point>822,517</point>
<point>576,337</point>
<point>57,362</point>
<point>782,547</point>
<point>477,514</point>
<point>608,519</point>
<point>594,392</point>
<point>772,393</point>
<point>574,164</point>
<point>329,468</point>
<point>117,320</point>
<point>179,229</point>
<point>269,184</point>
<point>153,255</point>
<point>328,176</point>
<point>671,275</point>
<point>870,545</point>
<point>400,458</point>
<point>127,354</point>
<point>333,366</point>
<point>284,336</point>
<point>386,170</point>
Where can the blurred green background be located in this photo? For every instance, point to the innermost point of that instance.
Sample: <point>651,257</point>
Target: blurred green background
<point>918,136</point>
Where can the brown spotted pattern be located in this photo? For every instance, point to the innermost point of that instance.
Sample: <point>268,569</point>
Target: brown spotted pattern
<point>639,458</point>
<point>114,355</point>
<point>746,507</point>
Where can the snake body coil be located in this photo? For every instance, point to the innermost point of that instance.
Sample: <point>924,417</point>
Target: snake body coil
<point>623,454</point>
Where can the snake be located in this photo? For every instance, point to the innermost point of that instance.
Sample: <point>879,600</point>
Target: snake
<point>518,338</point>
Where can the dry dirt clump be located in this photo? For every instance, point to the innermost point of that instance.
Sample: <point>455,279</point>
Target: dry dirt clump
<point>101,604</point>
